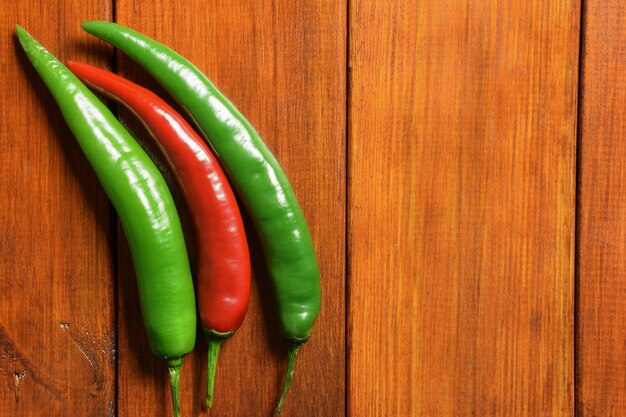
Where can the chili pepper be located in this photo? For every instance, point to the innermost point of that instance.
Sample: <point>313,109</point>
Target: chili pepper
<point>144,205</point>
<point>255,173</point>
<point>223,276</point>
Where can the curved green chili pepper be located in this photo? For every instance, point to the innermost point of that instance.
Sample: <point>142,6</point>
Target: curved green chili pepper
<point>255,173</point>
<point>144,204</point>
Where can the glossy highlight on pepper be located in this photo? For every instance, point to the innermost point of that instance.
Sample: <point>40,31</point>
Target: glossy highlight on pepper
<point>258,179</point>
<point>223,275</point>
<point>144,205</point>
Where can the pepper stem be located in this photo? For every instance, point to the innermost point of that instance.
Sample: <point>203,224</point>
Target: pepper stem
<point>291,364</point>
<point>214,342</point>
<point>174,367</point>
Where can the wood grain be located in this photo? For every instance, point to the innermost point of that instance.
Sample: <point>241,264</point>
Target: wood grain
<point>461,208</point>
<point>601,344</point>
<point>284,66</point>
<point>57,319</point>
<point>461,162</point>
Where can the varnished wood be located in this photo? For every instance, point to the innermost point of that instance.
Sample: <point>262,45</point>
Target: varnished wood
<point>601,365</point>
<point>57,317</point>
<point>283,64</point>
<point>461,207</point>
<point>461,210</point>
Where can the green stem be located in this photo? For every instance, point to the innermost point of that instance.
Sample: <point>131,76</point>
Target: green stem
<point>293,352</point>
<point>214,342</point>
<point>174,366</point>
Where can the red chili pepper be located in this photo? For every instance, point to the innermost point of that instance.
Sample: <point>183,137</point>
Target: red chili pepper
<point>223,276</point>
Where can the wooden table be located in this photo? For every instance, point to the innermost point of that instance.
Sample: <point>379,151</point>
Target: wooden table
<point>462,165</point>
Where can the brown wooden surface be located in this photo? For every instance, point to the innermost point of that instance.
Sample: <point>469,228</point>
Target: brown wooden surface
<point>461,208</point>
<point>601,354</point>
<point>283,65</point>
<point>57,305</point>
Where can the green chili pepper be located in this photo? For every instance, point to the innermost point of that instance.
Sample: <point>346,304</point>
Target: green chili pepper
<point>255,173</point>
<point>145,207</point>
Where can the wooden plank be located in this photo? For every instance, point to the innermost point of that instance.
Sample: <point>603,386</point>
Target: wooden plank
<point>601,335</point>
<point>57,317</point>
<point>461,207</point>
<point>284,66</point>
